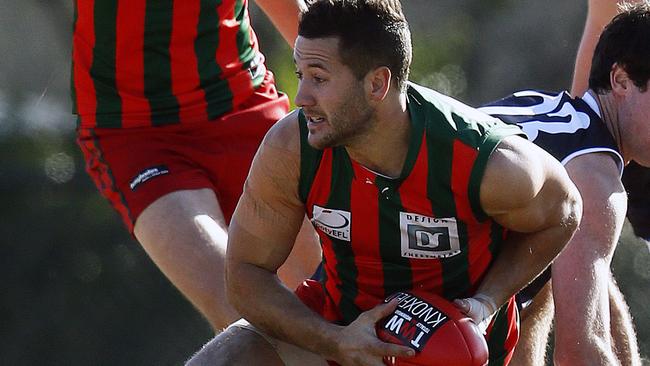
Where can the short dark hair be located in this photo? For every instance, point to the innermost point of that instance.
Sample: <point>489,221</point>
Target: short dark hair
<point>626,42</point>
<point>371,33</point>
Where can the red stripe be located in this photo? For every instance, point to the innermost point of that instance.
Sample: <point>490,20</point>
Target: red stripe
<point>427,272</point>
<point>365,238</point>
<point>318,195</point>
<point>513,331</point>
<point>184,65</point>
<point>129,60</point>
<point>227,56</point>
<point>82,55</point>
<point>478,233</point>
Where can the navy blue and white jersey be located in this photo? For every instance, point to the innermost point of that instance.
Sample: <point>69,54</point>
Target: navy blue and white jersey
<point>565,127</point>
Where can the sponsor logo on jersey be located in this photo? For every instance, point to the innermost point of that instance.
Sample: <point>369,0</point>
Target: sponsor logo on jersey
<point>414,320</point>
<point>424,237</point>
<point>335,223</point>
<point>147,174</point>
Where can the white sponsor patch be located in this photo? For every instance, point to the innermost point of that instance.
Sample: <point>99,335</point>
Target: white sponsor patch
<point>147,174</point>
<point>335,223</point>
<point>424,237</point>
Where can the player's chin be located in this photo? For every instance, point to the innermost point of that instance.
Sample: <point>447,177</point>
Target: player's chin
<point>319,140</point>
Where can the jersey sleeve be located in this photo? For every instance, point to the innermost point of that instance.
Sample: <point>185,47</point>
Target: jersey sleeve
<point>487,143</point>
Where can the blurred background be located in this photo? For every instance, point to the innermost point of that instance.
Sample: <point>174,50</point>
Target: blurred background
<point>78,290</point>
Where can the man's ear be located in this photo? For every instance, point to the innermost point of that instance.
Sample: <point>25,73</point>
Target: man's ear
<point>378,83</point>
<point>619,80</point>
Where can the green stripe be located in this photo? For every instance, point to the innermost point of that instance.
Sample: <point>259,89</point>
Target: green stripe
<point>339,198</point>
<point>417,121</point>
<point>102,71</point>
<point>309,159</point>
<point>157,62</point>
<point>486,145</point>
<point>440,153</point>
<point>398,275</point>
<point>496,238</point>
<point>455,270</point>
<point>497,340</point>
<point>455,276</point>
<point>218,95</point>
<point>397,272</point>
<point>246,52</point>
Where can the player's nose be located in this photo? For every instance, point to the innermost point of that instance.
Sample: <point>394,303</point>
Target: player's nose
<point>304,97</point>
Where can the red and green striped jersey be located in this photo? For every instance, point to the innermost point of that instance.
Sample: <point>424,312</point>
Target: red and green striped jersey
<point>140,63</point>
<point>425,229</point>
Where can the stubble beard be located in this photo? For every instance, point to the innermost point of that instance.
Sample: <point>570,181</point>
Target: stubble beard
<point>347,124</point>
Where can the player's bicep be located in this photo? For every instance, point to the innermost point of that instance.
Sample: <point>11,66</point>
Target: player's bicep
<point>526,190</point>
<point>269,213</point>
<point>596,176</point>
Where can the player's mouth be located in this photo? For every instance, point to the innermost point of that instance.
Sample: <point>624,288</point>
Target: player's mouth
<point>315,120</point>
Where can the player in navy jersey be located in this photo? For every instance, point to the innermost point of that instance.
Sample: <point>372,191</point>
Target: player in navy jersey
<point>173,99</point>
<point>594,136</point>
<point>408,189</point>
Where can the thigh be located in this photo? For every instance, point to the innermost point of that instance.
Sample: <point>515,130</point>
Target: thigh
<point>132,168</point>
<point>184,233</point>
<point>290,354</point>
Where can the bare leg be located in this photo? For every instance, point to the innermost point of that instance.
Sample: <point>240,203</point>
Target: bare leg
<point>184,233</point>
<point>236,346</point>
<point>536,324</point>
<point>622,328</point>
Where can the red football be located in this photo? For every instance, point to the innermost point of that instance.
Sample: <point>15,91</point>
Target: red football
<point>439,333</point>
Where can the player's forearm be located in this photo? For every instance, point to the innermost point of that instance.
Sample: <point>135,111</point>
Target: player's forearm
<point>284,15</point>
<point>582,275</point>
<point>600,13</point>
<point>260,297</point>
<point>524,256</point>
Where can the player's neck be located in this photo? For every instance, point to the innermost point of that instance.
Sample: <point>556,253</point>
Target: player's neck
<point>383,149</point>
<point>609,113</point>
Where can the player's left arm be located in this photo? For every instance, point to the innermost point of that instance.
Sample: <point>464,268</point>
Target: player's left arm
<point>527,191</point>
<point>284,15</point>
<point>581,274</point>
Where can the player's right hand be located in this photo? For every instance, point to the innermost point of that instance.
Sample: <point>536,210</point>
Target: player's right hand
<point>480,309</point>
<point>358,344</point>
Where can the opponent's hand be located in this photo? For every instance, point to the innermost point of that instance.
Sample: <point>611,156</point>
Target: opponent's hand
<point>358,343</point>
<point>480,309</point>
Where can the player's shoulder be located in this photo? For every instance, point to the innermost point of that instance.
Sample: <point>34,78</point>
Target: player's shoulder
<point>597,173</point>
<point>520,164</point>
<point>442,113</point>
<point>285,134</point>
<point>452,108</point>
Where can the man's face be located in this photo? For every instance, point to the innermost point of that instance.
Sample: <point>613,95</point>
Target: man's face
<point>332,98</point>
<point>635,109</point>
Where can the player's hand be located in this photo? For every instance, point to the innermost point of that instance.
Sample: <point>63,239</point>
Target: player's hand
<point>358,343</point>
<point>480,309</point>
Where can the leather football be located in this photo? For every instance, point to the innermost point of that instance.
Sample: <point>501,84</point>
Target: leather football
<point>438,332</point>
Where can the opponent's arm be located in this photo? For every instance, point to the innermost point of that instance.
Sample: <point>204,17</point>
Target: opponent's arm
<point>599,13</point>
<point>261,236</point>
<point>528,192</point>
<point>581,274</point>
<point>284,15</point>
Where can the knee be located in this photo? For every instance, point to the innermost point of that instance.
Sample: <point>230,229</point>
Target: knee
<point>236,346</point>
